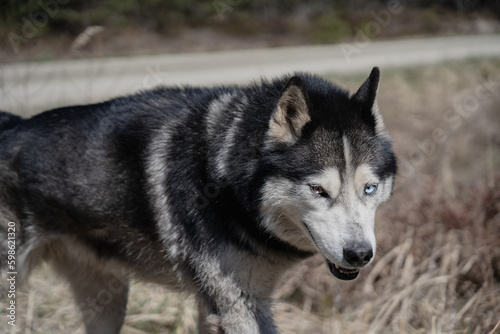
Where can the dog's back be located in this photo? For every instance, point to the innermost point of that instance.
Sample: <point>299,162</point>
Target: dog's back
<point>8,121</point>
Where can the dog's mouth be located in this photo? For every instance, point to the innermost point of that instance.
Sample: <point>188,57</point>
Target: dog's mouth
<point>342,272</point>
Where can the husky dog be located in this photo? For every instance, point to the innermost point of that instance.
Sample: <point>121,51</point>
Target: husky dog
<point>214,191</point>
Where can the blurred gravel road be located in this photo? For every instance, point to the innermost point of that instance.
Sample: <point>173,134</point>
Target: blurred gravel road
<point>28,88</point>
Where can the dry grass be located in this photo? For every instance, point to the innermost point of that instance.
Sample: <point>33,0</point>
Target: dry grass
<point>438,264</point>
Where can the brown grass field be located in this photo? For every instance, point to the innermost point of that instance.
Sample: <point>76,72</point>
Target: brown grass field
<point>437,268</point>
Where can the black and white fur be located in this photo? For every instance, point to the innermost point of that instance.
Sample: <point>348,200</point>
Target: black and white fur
<point>215,191</point>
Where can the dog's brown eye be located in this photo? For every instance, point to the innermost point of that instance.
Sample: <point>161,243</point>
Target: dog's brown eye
<point>317,190</point>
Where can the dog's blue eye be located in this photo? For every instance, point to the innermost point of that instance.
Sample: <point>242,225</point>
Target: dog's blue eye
<point>370,189</point>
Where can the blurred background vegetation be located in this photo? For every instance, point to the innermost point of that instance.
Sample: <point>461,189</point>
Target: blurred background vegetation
<point>47,29</point>
<point>438,260</point>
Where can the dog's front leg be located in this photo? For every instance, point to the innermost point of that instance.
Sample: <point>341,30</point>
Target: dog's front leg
<point>240,316</point>
<point>227,303</point>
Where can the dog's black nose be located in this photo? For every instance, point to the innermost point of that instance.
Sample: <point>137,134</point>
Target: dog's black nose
<point>358,255</point>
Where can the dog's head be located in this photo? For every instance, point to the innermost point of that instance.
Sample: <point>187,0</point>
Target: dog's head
<point>332,165</point>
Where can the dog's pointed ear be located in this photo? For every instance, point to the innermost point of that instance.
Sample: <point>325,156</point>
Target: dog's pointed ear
<point>366,97</point>
<point>291,113</point>
<point>367,93</point>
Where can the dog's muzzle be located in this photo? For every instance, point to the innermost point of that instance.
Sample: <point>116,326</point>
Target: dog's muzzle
<point>357,256</point>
